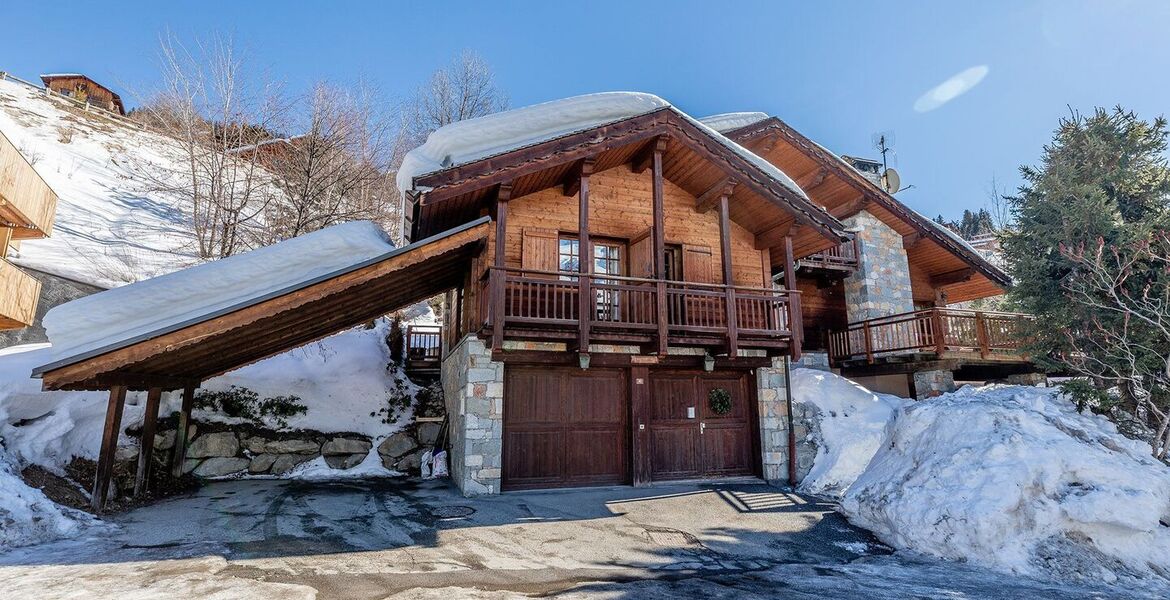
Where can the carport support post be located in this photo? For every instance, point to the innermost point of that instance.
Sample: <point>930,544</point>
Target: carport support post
<point>146,445</point>
<point>105,464</point>
<point>180,452</point>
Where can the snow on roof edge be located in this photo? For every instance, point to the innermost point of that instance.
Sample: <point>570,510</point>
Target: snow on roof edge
<point>733,120</point>
<point>129,341</point>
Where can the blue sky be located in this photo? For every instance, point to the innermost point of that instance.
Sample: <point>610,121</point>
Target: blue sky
<point>839,72</point>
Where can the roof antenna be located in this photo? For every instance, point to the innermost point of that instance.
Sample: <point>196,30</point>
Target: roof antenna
<point>891,181</point>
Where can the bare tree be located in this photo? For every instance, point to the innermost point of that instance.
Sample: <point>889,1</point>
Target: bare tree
<point>338,169</point>
<point>1128,344</point>
<point>212,110</point>
<point>465,89</point>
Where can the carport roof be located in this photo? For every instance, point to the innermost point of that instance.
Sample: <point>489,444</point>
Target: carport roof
<point>220,340</point>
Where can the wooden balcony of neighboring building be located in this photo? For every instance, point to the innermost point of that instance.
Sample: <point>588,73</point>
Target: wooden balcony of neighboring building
<point>423,350</point>
<point>546,306</point>
<point>18,301</point>
<point>840,260</point>
<point>27,204</point>
<point>930,335</point>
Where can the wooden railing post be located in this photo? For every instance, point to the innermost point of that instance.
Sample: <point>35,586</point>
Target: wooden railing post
<point>868,342</point>
<point>940,342</point>
<point>496,280</point>
<point>981,334</point>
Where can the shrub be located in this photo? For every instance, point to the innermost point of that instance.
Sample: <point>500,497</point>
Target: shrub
<point>398,401</point>
<point>243,403</point>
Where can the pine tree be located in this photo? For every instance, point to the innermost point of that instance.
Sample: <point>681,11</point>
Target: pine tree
<point>1103,182</point>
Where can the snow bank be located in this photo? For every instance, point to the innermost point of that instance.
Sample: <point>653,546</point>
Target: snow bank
<point>1014,478</point>
<point>123,313</point>
<point>733,120</point>
<point>853,424</point>
<point>27,516</point>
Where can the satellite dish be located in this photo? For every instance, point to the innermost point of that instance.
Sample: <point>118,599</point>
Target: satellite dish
<point>891,181</point>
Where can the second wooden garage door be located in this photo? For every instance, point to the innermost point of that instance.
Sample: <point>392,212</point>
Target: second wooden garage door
<point>565,427</point>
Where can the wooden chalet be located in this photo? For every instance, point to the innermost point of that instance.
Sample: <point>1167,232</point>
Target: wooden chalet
<point>623,297</point>
<point>27,210</point>
<point>84,89</point>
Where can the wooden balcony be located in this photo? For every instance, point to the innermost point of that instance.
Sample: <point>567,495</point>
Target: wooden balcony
<point>18,301</point>
<point>937,332</point>
<point>26,201</point>
<point>544,305</point>
<point>840,259</point>
<point>423,349</point>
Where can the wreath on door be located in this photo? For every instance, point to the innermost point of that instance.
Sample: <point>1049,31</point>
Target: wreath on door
<point>720,401</point>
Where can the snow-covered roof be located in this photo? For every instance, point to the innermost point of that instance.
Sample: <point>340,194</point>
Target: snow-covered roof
<point>133,310</point>
<point>467,141</point>
<point>732,120</point>
<point>50,75</point>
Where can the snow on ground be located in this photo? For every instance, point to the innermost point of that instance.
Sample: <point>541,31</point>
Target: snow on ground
<point>125,312</point>
<point>1006,477</point>
<point>112,226</point>
<point>853,424</point>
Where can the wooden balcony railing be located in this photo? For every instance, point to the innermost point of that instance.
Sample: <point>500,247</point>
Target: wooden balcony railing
<point>545,300</point>
<point>937,330</point>
<point>842,257</point>
<point>423,348</point>
<point>19,293</point>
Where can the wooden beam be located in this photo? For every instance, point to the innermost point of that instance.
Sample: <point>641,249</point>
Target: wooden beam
<point>813,179</point>
<point>498,275</point>
<point>725,258</point>
<point>179,454</point>
<point>146,443</point>
<point>795,323</point>
<point>584,259</point>
<point>110,433</point>
<point>658,185</point>
<point>644,159</point>
<point>850,208</point>
<point>710,198</point>
<point>952,277</point>
<point>774,236</point>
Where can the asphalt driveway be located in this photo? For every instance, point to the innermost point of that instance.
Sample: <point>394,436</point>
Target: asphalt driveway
<point>410,539</point>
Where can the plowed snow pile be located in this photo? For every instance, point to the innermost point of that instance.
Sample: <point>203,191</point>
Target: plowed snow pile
<point>1015,479</point>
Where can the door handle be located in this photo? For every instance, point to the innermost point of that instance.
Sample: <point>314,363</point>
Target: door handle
<point>702,427</point>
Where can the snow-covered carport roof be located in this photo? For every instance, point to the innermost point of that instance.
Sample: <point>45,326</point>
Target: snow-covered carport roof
<point>199,345</point>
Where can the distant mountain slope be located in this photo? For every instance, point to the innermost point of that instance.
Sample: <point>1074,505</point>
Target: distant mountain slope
<point>111,227</point>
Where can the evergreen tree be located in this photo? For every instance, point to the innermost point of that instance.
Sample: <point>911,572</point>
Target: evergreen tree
<point>1103,182</point>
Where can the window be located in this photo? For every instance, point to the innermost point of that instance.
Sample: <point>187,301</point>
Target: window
<point>608,259</point>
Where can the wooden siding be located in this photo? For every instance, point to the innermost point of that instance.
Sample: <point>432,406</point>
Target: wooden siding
<point>18,302</point>
<point>26,201</point>
<point>620,206</point>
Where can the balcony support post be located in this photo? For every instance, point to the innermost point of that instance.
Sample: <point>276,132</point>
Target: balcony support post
<point>981,334</point>
<point>795,320</point>
<point>661,317</point>
<point>105,464</point>
<point>728,282</point>
<point>585,298</point>
<point>939,329</point>
<point>498,275</point>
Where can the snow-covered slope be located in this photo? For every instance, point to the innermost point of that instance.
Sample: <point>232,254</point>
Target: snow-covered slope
<point>122,313</point>
<point>112,224</point>
<point>1007,477</point>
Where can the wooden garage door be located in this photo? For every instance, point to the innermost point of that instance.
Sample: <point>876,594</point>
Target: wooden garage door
<point>565,427</point>
<point>687,438</point>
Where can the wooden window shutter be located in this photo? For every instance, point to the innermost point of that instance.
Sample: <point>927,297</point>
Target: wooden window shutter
<point>642,256</point>
<point>697,264</point>
<point>539,250</point>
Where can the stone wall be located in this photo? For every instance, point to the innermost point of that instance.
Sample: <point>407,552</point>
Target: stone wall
<point>54,291</point>
<point>473,388</point>
<point>813,360</point>
<point>773,408</point>
<point>928,384</point>
<point>881,285</point>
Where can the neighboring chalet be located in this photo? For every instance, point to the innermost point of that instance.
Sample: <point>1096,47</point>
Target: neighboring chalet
<point>625,288</point>
<point>83,89</point>
<point>27,207</point>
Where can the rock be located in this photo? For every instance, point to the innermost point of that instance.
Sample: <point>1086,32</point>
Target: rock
<point>254,444</point>
<point>409,463</point>
<point>285,462</point>
<point>397,445</point>
<point>344,461</point>
<point>222,444</point>
<point>165,440</point>
<point>126,454</point>
<point>220,466</point>
<point>427,433</point>
<point>340,445</point>
<point>189,464</point>
<point>261,463</point>
<point>293,446</point>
